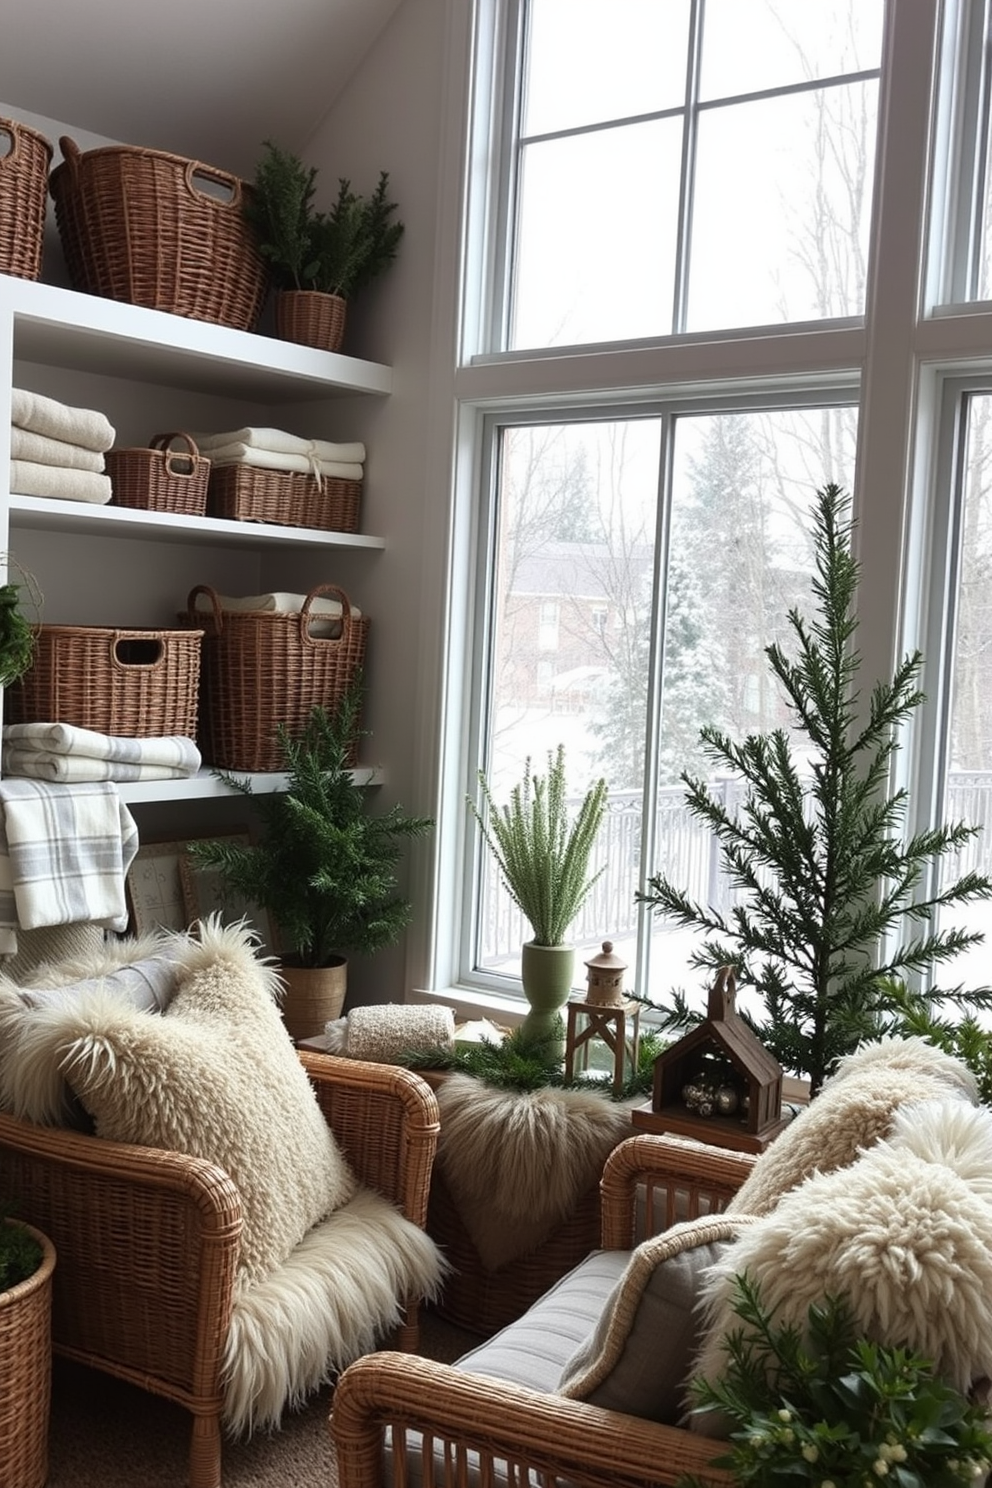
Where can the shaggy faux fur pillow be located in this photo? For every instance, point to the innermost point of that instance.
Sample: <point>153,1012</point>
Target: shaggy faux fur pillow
<point>216,1075</point>
<point>637,1360</point>
<point>516,1162</point>
<point>854,1109</point>
<point>904,1234</point>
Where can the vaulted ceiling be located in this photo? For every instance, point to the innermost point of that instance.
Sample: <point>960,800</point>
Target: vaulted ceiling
<point>205,78</point>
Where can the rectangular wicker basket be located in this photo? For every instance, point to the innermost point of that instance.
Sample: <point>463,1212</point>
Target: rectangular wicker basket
<point>136,683</point>
<point>244,493</point>
<point>262,668</point>
<point>146,227</point>
<point>160,478</point>
<point>23,198</point>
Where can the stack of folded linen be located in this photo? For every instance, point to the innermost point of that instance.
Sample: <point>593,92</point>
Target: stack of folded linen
<point>324,615</point>
<point>61,752</point>
<point>57,450</point>
<point>274,449</point>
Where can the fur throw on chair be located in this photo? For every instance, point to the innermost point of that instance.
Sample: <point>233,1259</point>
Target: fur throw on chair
<point>904,1234</point>
<point>854,1109</point>
<point>324,1265</point>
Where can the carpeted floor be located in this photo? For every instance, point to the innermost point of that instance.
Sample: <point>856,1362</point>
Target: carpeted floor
<point>106,1434</point>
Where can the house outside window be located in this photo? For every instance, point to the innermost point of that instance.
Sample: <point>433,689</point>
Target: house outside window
<point>664,361</point>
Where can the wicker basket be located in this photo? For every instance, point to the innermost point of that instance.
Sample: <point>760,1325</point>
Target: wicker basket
<point>310,318</point>
<point>244,493</point>
<point>262,668</point>
<point>23,197</point>
<point>160,478</point>
<point>136,683</point>
<point>139,226</point>
<point>26,1373</point>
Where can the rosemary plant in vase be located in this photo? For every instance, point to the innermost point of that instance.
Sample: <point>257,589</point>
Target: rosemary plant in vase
<point>544,859</point>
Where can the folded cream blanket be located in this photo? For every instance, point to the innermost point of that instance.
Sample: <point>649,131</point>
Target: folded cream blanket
<point>325,614</point>
<point>243,454</point>
<point>279,442</point>
<point>384,1032</point>
<point>85,426</point>
<point>64,851</point>
<point>60,751</point>
<point>38,448</point>
<point>28,478</point>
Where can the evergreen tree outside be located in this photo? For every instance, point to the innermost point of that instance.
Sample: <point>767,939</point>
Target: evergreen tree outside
<point>826,878</point>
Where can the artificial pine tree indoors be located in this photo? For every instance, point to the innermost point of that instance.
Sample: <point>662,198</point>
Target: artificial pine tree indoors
<point>835,907</point>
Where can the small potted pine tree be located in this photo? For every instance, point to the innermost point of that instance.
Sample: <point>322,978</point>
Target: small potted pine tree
<point>319,260</point>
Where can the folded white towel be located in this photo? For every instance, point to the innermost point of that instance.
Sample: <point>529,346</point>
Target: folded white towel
<point>243,454</point>
<point>65,850</point>
<point>278,441</point>
<point>324,619</point>
<point>171,751</point>
<point>38,448</point>
<point>35,764</point>
<point>27,478</point>
<point>85,426</point>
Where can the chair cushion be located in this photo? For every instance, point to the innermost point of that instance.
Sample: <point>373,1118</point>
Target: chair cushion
<point>638,1357</point>
<point>215,1076</point>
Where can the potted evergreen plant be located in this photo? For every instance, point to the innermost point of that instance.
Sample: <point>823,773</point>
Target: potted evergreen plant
<point>324,865</point>
<point>318,259</point>
<point>27,1260</point>
<point>544,859</point>
<point>830,883</point>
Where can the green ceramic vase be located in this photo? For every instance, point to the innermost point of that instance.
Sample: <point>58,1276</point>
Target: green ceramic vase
<point>546,973</point>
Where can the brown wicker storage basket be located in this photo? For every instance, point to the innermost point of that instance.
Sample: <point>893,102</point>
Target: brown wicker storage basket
<point>137,225</point>
<point>23,198</point>
<point>310,318</point>
<point>262,668</point>
<point>138,683</point>
<point>26,1372</point>
<point>243,493</point>
<point>160,478</point>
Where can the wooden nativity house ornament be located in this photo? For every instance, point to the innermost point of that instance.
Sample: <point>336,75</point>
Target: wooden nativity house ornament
<point>719,1083</point>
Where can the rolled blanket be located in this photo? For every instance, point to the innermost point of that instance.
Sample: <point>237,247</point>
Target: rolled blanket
<point>385,1031</point>
<point>64,852</point>
<point>279,442</point>
<point>40,450</point>
<point>171,751</point>
<point>27,478</point>
<point>85,426</point>
<point>243,454</point>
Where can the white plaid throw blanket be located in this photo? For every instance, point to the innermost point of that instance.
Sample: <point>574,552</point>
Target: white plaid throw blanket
<point>64,851</point>
<point>61,752</point>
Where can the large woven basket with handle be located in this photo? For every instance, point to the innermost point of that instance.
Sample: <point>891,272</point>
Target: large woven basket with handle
<point>158,230</point>
<point>25,156</point>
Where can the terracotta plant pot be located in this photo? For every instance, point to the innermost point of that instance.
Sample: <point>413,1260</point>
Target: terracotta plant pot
<point>26,1372</point>
<point>310,318</point>
<point>314,996</point>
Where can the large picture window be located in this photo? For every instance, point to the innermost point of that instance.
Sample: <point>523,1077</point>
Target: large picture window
<point>690,165</point>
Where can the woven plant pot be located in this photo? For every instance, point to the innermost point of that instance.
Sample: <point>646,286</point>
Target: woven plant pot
<point>314,996</point>
<point>310,318</point>
<point>26,1372</point>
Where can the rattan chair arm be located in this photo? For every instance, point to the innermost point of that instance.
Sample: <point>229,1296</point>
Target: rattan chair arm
<point>678,1179</point>
<point>385,1118</point>
<point>587,1446</point>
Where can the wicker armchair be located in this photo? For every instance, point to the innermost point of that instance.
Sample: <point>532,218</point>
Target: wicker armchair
<point>448,1428</point>
<point>147,1240</point>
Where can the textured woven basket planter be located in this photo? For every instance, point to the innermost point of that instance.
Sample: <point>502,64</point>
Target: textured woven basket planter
<point>310,318</point>
<point>26,1373</point>
<point>314,996</point>
<point>25,156</point>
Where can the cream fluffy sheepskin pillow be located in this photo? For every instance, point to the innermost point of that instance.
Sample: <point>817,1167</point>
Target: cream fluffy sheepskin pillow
<point>215,1075</point>
<point>904,1234</point>
<point>855,1108</point>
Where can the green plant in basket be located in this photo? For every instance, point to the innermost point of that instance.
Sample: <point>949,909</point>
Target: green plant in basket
<point>823,1407</point>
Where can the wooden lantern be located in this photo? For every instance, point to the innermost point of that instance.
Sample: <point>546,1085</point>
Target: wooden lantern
<point>719,1083</point>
